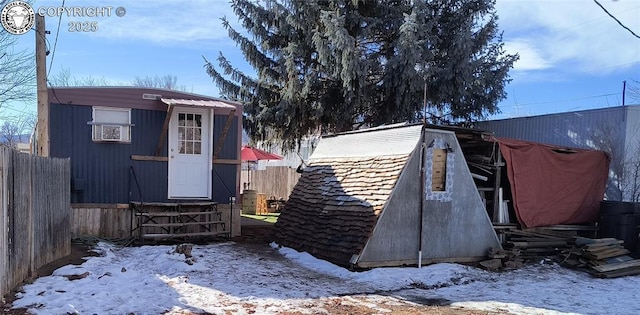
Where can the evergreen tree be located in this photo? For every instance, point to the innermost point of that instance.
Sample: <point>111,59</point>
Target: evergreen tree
<point>338,65</point>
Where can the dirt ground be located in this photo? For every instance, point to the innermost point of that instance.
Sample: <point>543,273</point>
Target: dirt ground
<point>339,305</point>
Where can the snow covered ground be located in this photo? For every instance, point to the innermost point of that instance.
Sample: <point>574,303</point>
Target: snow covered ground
<point>255,279</point>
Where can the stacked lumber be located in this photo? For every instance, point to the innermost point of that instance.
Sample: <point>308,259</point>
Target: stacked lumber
<point>604,257</point>
<point>536,244</point>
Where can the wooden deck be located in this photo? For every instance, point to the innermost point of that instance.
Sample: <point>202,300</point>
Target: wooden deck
<point>178,221</point>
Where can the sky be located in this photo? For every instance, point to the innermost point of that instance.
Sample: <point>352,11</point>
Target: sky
<point>234,278</point>
<point>573,56</point>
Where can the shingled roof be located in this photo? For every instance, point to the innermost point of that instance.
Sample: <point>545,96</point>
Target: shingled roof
<point>334,207</point>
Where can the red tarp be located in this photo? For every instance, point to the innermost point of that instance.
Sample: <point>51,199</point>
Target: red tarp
<point>551,188</point>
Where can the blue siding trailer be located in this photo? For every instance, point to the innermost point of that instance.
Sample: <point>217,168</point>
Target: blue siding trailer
<point>142,144</point>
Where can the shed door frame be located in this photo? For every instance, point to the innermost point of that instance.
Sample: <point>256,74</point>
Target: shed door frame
<point>190,153</point>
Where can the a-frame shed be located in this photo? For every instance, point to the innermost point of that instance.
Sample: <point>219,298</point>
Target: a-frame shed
<point>365,201</point>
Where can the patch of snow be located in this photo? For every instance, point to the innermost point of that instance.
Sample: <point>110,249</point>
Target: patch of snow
<point>236,278</point>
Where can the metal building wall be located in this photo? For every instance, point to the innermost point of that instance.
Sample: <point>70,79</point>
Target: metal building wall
<point>230,143</point>
<point>225,181</point>
<point>100,172</point>
<point>632,138</point>
<point>576,129</point>
<point>572,129</point>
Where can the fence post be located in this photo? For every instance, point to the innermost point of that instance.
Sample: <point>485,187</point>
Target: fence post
<point>30,162</point>
<point>4,240</point>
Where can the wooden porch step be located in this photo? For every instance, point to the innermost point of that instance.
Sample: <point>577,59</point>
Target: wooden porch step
<point>174,213</point>
<point>181,224</point>
<point>165,235</point>
<point>173,204</point>
<point>160,220</point>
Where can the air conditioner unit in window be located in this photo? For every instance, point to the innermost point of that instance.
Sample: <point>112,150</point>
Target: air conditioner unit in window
<point>111,133</point>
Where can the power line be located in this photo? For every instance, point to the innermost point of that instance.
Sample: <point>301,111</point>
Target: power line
<point>599,18</point>
<point>55,43</point>
<point>613,17</point>
<point>562,101</point>
<point>52,88</point>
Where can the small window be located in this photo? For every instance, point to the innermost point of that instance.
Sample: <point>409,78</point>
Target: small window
<point>439,172</point>
<point>111,124</point>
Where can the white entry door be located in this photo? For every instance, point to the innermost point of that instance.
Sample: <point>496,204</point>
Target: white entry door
<point>190,154</point>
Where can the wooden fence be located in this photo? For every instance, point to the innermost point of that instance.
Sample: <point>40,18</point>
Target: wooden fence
<point>115,220</point>
<point>34,215</point>
<point>275,181</point>
<point>101,220</point>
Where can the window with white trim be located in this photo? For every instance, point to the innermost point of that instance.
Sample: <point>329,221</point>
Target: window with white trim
<point>189,133</point>
<point>111,124</point>
<point>439,167</point>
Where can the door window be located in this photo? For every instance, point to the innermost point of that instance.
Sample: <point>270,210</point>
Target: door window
<point>189,133</point>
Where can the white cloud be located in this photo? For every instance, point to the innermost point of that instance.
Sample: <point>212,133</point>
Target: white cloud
<point>571,36</point>
<point>161,22</point>
<point>167,22</point>
<point>530,56</point>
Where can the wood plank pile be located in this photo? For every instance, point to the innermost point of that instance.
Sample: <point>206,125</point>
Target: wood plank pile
<point>520,246</point>
<point>604,257</point>
<point>534,244</point>
<point>601,257</point>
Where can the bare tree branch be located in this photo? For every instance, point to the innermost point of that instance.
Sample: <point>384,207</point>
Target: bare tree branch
<point>64,78</point>
<point>624,164</point>
<point>11,132</point>
<point>61,79</point>
<point>17,71</point>
<point>169,82</point>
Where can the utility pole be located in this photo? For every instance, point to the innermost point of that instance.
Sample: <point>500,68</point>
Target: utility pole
<point>624,90</point>
<point>42,135</point>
